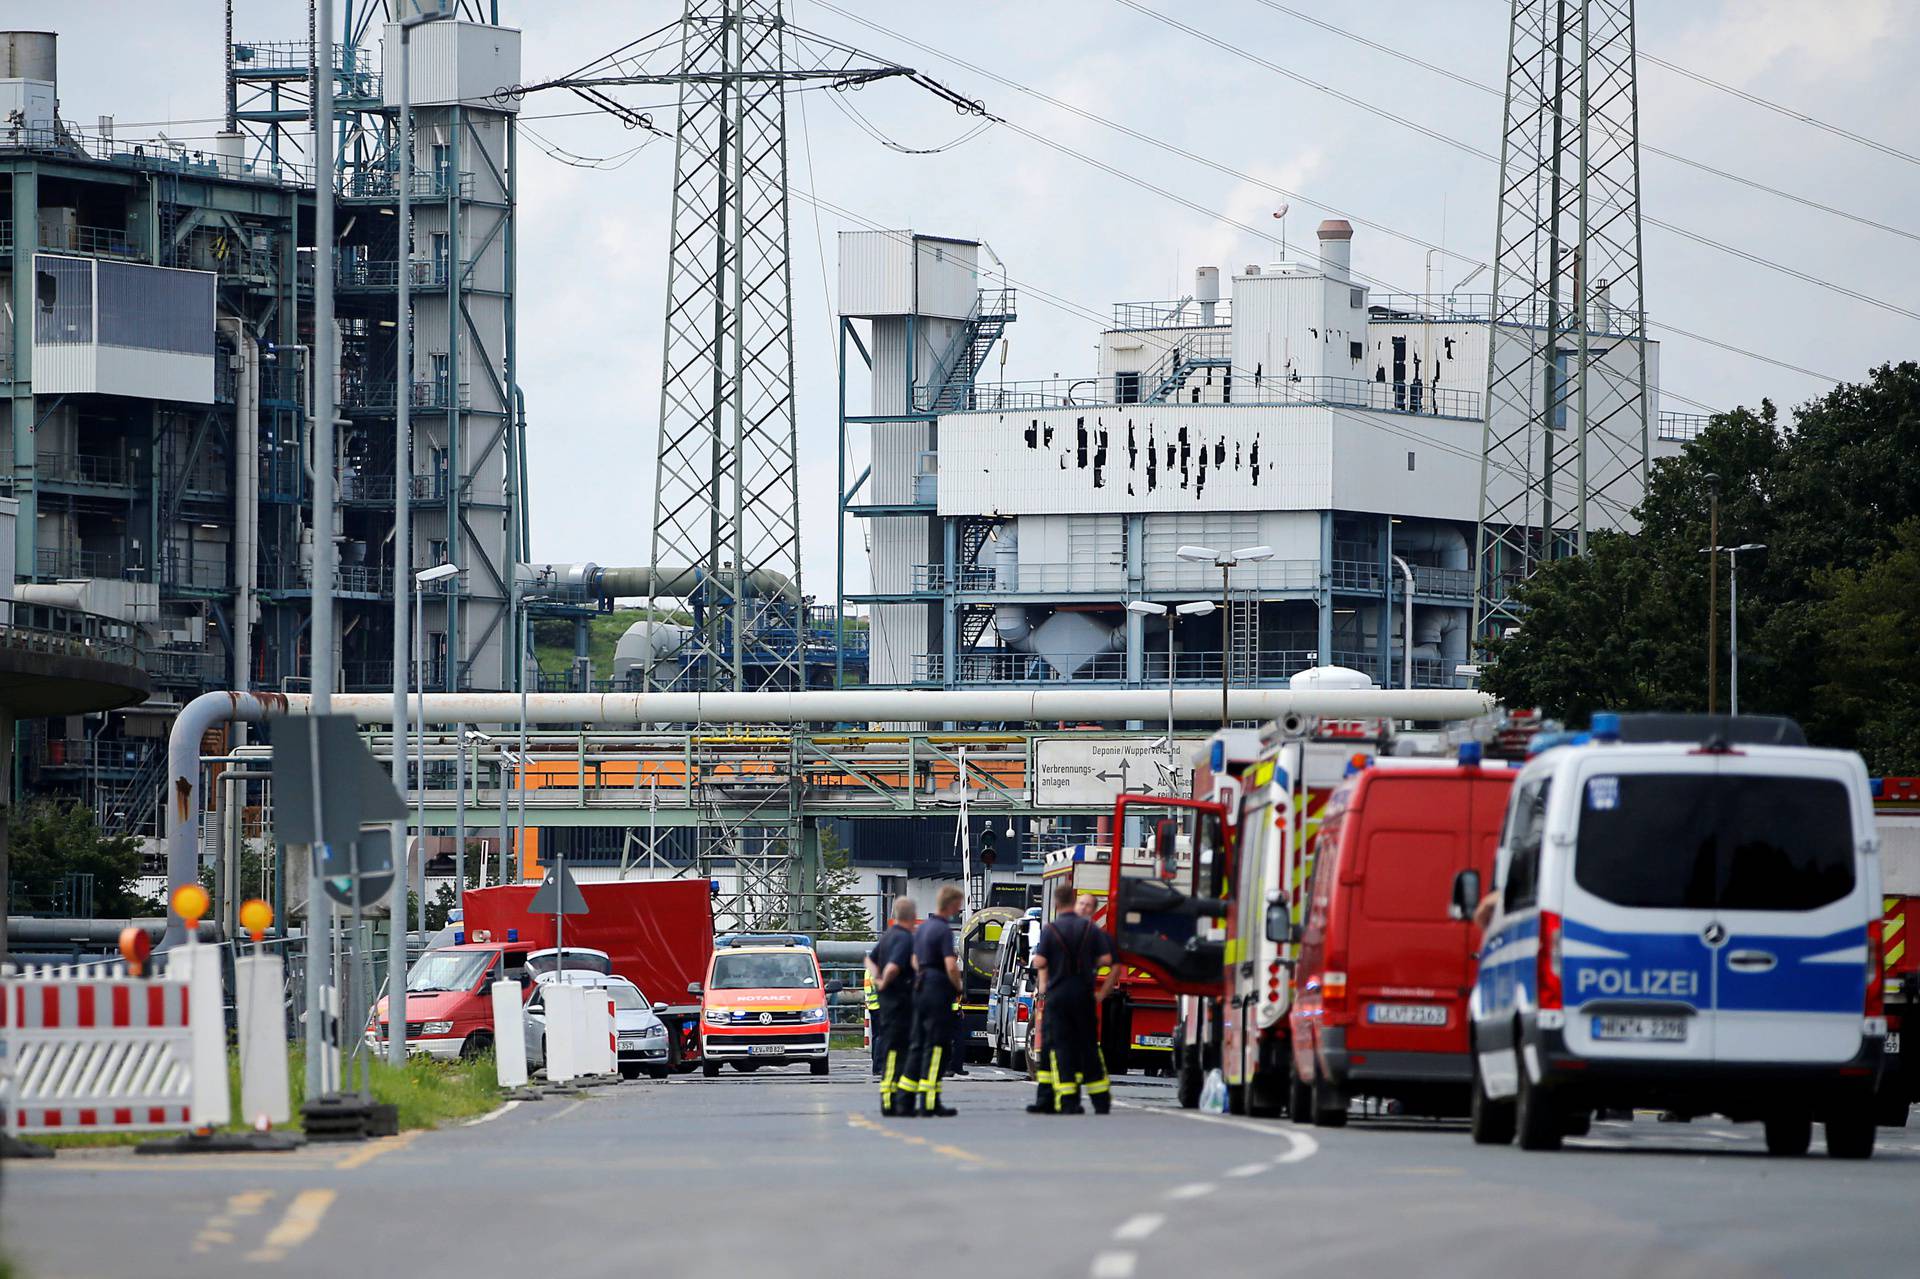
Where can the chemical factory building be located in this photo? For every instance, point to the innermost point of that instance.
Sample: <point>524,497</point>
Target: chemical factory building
<point>1009,524</point>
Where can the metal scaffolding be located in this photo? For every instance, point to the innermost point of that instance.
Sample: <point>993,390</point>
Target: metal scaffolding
<point>1565,446</point>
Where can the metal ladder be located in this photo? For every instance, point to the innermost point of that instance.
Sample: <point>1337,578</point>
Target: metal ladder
<point>1243,637</point>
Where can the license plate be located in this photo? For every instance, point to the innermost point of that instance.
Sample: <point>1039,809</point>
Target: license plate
<point>1659,1030</point>
<point>1154,1041</point>
<point>765,1050</point>
<point>1407,1014</point>
<point>629,1041</point>
<point>1893,1042</point>
<point>977,1034</point>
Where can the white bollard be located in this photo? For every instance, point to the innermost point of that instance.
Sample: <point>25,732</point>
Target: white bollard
<point>563,1032</point>
<point>509,1034</point>
<point>605,1037</point>
<point>207,1018</point>
<point>258,988</point>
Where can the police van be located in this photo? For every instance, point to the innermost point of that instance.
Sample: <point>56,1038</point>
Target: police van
<point>1686,924</point>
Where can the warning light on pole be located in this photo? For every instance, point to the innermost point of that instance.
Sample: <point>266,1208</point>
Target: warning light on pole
<point>135,946</point>
<point>190,902</point>
<point>256,917</point>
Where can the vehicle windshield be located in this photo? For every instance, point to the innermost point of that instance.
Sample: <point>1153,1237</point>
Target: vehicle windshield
<point>626,996</point>
<point>764,972</point>
<point>1701,842</point>
<point>447,970</point>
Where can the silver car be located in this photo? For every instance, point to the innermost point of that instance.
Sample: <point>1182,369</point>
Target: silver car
<point>640,1034</point>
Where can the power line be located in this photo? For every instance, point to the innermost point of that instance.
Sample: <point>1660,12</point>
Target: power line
<point>1790,112</point>
<point>1241,176</point>
<point>1663,153</point>
<point>1470,149</point>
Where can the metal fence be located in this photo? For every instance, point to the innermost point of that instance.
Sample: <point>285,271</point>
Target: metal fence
<point>1415,398</point>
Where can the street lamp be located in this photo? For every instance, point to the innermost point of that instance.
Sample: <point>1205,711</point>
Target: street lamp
<point>1147,608</point>
<point>402,481</point>
<point>1226,562</point>
<point>421,581</point>
<point>1733,615</point>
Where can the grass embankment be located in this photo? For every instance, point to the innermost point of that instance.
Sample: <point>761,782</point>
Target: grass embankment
<point>428,1093</point>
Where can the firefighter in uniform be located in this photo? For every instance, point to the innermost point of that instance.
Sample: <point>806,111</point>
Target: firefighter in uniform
<point>937,982</point>
<point>1067,962</point>
<point>890,978</point>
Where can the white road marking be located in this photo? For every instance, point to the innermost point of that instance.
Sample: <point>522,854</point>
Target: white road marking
<point>1113,1265</point>
<point>491,1115</point>
<point>1192,1190</point>
<point>1134,1229</point>
<point>1302,1145</point>
<point>1248,1170</point>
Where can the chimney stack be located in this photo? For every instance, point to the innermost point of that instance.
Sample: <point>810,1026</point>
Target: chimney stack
<point>1336,248</point>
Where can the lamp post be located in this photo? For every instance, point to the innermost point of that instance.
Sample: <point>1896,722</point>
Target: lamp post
<point>1733,615</point>
<point>1226,561</point>
<point>1147,608</point>
<point>402,533</point>
<point>1406,627</point>
<point>421,581</point>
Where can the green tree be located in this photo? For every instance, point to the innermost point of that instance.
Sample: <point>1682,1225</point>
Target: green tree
<point>840,911</point>
<point>444,899</point>
<point>1625,627</point>
<point>53,844</point>
<point>1869,690</point>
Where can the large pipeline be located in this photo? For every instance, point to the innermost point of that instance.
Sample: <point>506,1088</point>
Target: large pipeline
<point>817,706</point>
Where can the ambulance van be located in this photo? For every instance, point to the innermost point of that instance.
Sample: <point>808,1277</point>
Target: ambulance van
<point>1691,925</point>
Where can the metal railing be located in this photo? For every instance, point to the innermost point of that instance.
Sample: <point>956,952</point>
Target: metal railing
<point>384,184</point>
<point>1356,393</point>
<point>1682,426</point>
<point>54,561</point>
<point>1428,672</point>
<point>68,632</point>
<point>360,273</point>
<point>149,154</point>
<point>203,572</point>
<point>97,241</point>
<point>1000,666</point>
<point>1428,579</point>
<point>82,468</point>
<point>1183,313</point>
<point>352,579</point>
<point>1418,308</point>
<point>428,393</point>
<point>186,666</point>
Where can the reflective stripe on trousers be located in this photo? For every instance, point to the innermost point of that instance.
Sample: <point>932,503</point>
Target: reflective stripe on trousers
<point>930,1085</point>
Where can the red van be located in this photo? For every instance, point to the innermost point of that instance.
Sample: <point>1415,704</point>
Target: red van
<point>1385,970</point>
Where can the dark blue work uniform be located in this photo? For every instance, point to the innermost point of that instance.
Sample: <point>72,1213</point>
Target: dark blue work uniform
<point>1074,949</point>
<point>933,1015</point>
<point>893,1020</point>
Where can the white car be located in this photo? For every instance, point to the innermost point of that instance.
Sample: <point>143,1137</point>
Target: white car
<point>641,1035</point>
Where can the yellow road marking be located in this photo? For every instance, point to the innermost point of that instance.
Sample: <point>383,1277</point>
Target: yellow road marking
<point>860,1121</point>
<point>219,1227</point>
<point>374,1149</point>
<point>296,1226</point>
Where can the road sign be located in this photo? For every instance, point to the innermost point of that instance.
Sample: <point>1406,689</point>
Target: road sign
<point>557,895</point>
<point>371,856</point>
<point>1076,772</point>
<point>326,787</point>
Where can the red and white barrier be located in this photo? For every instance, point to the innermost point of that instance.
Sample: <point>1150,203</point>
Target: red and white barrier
<point>580,1034</point>
<point>92,1049</point>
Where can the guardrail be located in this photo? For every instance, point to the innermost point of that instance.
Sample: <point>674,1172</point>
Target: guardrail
<point>1414,398</point>
<point>68,632</point>
<point>1181,313</point>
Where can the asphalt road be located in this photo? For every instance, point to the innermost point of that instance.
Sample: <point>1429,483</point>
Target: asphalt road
<point>781,1173</point>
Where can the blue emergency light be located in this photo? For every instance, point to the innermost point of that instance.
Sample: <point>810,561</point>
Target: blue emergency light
<point>1217,758</point>
<point>513,934</point>
<point>1605,726</point>
<point>459,939</point>
<point>1470,754</point>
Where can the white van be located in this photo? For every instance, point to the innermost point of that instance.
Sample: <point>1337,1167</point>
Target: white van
<point>1685,925</point>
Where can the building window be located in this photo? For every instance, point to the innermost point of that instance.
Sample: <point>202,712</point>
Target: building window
<point>1409,459</point>
<point>1356,352</point>
<point>1126,388</point>
<point>1357,298</point>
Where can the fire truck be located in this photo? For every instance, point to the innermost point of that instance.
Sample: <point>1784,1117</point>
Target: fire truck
<point>1896,806</point>
<point>1215,920</point>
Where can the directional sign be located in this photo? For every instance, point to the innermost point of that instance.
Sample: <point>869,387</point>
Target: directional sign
<point>1074,772</point>
<point>557,895</point>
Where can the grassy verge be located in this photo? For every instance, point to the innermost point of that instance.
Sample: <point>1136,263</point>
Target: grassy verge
<point>428,1093</point>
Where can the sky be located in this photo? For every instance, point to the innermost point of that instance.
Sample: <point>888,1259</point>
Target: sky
<point>594,240</point>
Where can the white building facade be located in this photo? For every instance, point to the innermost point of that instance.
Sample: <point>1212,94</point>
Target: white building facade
<point>1008,525</point>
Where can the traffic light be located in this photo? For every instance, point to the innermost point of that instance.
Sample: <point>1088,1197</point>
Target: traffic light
<point>987,841</point>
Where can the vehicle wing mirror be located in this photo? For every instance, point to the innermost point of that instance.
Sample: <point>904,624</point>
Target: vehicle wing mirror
<point>659,1005</point>
<point>1280,927</point>
<point>1466,895</point>
<point>693,988</point>
<point>525,978</point>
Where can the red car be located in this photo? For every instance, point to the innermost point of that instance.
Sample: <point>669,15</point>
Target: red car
<point>1385,967</point>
